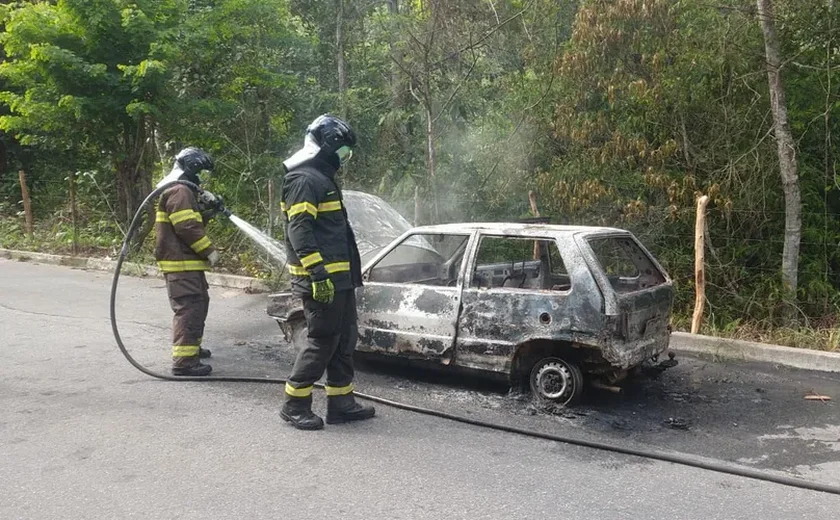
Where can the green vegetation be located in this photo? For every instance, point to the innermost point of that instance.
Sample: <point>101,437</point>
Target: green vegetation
<point>615,112</point>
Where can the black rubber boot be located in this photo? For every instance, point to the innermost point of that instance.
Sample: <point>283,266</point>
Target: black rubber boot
<point>204,353</point>
<point>344,408</point>
<point>198,369</point>
<point>298,412</point>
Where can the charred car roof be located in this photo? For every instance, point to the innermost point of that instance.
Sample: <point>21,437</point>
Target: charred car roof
<point>512,228</point>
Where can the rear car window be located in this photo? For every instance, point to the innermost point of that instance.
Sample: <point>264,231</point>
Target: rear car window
<point>627,267</point>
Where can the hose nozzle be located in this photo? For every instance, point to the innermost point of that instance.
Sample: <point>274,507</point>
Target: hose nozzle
<point>213,201</point>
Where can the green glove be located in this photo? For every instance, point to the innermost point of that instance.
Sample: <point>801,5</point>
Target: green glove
<point>323,291</point>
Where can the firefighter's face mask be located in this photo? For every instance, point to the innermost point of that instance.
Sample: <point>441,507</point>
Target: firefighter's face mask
<point>204,177</point>
<point>344,154</point>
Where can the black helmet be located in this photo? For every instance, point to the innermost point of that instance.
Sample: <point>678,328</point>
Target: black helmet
<point>331,133</point>
<point>193,160</point>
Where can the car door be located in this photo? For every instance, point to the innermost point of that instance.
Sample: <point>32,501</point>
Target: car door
<point>518,290</point>
<point>409,304</point>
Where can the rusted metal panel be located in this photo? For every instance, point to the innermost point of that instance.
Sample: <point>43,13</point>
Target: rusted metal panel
<point>495,321</point>
<point>643,330</point>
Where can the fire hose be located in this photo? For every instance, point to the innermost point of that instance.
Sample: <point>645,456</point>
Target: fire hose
<point>718,466</point>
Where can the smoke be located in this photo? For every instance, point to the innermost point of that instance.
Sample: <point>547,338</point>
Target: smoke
<point>485,170</point>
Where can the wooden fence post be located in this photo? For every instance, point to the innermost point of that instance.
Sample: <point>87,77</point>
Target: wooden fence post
<point>532,200</point>
<point>74,214</point>
<point>699,264</point>
<point>27,204</point>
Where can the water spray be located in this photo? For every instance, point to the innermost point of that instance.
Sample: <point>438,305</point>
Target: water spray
<point>276,251</point>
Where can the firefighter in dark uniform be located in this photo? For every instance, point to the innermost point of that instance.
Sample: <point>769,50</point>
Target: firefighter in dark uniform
<point>325,269</point>
<point>183,252</point>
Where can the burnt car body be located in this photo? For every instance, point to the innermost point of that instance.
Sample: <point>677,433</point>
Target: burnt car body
<point>536,303</point>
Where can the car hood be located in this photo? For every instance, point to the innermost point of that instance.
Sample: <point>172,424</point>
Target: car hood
<point>375,223</point>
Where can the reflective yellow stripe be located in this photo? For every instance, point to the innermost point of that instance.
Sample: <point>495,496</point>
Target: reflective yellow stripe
<point>184,215</point>
<point>339,390</point>
<point>303,207</point>
<point>298,392</point>
<point>283,207</point>
<point>184,350</point>
<point>310,260</point>
<point>330,206</point>
<point>178,266</point>
<point>201,244</point>
<point>161,216</point>
<point>337,267</point>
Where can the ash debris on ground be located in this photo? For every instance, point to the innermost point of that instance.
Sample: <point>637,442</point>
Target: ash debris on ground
<point>744,413</point>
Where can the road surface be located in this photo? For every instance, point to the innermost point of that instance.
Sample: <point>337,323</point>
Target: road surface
<point>84,435</point>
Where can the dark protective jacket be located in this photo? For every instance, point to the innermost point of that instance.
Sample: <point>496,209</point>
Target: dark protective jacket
<point>181,243</point>
<point>318,233</point>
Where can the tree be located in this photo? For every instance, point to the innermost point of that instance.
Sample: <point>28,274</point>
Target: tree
<point>442,56</point>
<point>239,77</point>
<point>786,151</point>
<point>90,76</point>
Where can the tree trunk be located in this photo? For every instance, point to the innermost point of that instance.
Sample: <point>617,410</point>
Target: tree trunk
<point>786,152</point>
<point>432,162</point>
<point>397,88</point>
<point>417,206</point>
<point>146,163</point>
<point>133,176</point>
<point>340,60</point>
<point>396,130</point>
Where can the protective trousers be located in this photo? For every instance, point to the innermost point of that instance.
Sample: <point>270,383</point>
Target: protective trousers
<point>190,302</point>
<point>333,331</point>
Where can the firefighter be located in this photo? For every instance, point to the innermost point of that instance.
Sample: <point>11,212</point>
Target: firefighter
<point>183,252</point>
<point>325,269</point>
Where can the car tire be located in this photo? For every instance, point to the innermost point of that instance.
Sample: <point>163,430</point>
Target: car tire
<point>556,380</point>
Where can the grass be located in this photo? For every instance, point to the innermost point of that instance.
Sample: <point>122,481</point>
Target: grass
<point>103,239</point>
<point>819,337</point>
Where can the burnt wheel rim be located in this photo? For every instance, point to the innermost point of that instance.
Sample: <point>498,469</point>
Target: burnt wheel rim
<point>554,382</point>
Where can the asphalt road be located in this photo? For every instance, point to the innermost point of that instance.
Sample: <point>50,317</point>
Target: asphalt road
<point>84,435</point>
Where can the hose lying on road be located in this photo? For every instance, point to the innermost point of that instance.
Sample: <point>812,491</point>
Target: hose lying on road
<point>676,458</point>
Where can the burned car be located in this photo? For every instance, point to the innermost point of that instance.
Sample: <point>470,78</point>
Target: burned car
<point>545,306</point>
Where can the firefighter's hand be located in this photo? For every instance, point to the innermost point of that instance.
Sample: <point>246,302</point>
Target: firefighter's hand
<point>208,199</point>
<point>213,257</point>
<point>323,291</point>
<point>213,205</point>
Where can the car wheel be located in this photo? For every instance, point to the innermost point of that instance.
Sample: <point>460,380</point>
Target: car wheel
<point>554,379</point>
